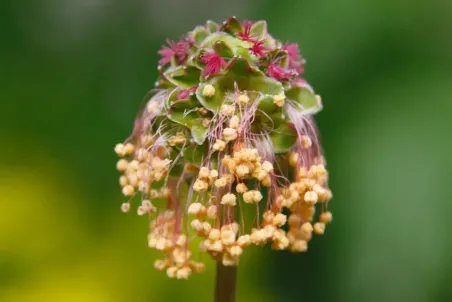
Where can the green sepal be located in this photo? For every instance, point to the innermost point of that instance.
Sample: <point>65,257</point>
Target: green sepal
<point>232,26</point>
<point>305,98</point>
<point>185,77</point>
<point>174,102</point>
<point>258,30</point>
<point>222,49</point>
<point>199,34</point>
<point>283,138</point>
<point>212,26</point>
<point>267,105</point>
<point>192,120</point>
<point>195,154</point>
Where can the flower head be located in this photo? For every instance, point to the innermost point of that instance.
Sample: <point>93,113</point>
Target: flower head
<point>206,145</point>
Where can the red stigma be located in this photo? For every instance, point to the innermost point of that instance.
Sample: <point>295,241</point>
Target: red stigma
<point>179,50</point>
<point>258,49</point>
<point>295,60</point>
<point>280,73</point>
<point>213,62</point>
<point>246,34</point>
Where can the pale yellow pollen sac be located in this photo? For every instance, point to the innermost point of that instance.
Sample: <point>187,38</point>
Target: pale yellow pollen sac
<point>206,228</point>
<point>279,100</point>
<point>129,149</point>
<point>205,122</point>
<point>181,240</point>
<point>196,208</point>
<point>200,185</point>
<point>299,246</point>
<point>229,260</point>
<point>319,228</point>
<point>235,250</point>
<point>196,225</point>
<point>184,273</point>
<point>160,265</point>
<point>293,159</point>
<point>244,240</point>
<point>221,182</point>
<point>213,174</point>
<point>251,197</point>
<point>318,98</point>
<point>148,206</point>
<point>120,150</point>
<point>152,107</point>
<point>141,210</point>
<point>307,228</point>
<point>171,271</point>
<point>123,180</point>
<point>128,190</point>
<point>310,197</point>
<point>267,166</point>
<point>227,237</point>
<point>326,217</point>
<point>306,141</point>
<point>214,234</point>
<point>243,98</point>
<point>177,139</point>
<point>125,207</point>
<point>204,172</point>
<point>122,165</point>
<point>229,178</point>
<point>216,246</point>
<point>166,193</point>
<point>234,122</point>
<point>203,111</point>
<point>212,212</point>
<point>241,188</point>
<point>229,134</point>
<point>227,110</point>
<point>229,199</point>
<point>242,171</point>
<point>219,145</point>
<point>294,221</point>
<point>279,220</point>
<point>268,217</point>
<point>208,90</point>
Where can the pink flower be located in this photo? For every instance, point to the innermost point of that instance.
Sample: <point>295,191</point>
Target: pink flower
<point>280,73</point>
<point>179,50</point>
<point>184,94</point>
<point>246,34</point>
<point>213,62</point>
<point>295,60</point>
<point>258,49</point>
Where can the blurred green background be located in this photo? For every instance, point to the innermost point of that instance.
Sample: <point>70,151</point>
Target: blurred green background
<point>72,76</point>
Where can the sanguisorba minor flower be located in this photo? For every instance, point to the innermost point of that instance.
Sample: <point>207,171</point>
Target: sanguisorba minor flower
<point>227,132</point>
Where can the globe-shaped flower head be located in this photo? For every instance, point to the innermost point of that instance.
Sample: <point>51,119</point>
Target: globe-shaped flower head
<point>226,149</point>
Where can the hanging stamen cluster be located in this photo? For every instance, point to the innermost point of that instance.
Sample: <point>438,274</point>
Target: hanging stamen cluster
<point>225,133</point>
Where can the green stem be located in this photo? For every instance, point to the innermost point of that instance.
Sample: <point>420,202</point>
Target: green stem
<point>225,283</point>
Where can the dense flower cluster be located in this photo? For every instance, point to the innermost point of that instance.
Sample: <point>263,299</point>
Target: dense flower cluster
<point>227,130</point>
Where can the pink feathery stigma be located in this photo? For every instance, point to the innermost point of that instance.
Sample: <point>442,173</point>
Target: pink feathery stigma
<point>184,94</point>
<point>179,50</point>
<point>213,62</point>
<point>295,61</point>
<point>245,35</point>
<point>280,73</point>
<point>167,54</point>
<point>258,49</point>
